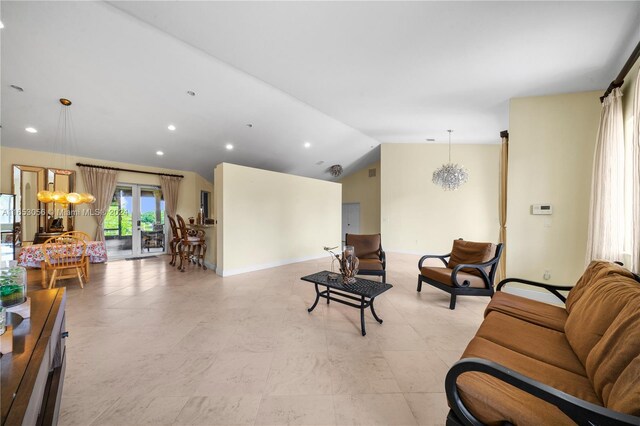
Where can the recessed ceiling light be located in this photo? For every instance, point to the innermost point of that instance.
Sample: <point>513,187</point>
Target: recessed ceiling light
<point>1,25</point>
<point>229,146</point>
<point>191,93</point>
<point>249,125</point>
<point>171,127</point>
<point>307,144</point>
<point>430,140</point>
<point>159,153</point>
<point>31,130</point>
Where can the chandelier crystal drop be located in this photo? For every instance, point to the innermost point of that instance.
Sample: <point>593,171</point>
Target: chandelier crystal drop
<point>450,176</point>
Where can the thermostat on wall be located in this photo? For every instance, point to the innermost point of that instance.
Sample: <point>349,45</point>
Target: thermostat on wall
<point>541,209</point>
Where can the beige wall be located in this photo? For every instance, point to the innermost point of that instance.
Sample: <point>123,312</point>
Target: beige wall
<point>188,200</point>
<point>267,219</point>
<point>418,216</point>
<point>551,143</point>
<point>358,187</point>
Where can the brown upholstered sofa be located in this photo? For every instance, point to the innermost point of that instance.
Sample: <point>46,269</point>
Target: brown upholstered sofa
<point>532,363</point>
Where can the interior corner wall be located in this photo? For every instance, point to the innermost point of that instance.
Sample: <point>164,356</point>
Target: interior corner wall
<point>267,219</point>
<point>551,146</point>
<point>358,187</point>
<point>418,216</point>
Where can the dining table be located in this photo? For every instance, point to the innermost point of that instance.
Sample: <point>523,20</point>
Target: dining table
<point>32,257</point>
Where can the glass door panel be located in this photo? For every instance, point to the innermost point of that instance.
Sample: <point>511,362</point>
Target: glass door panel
<point>151,221</point>
<point>118,223</point>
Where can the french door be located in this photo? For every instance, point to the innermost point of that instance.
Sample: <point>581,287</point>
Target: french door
<point>135,223</point>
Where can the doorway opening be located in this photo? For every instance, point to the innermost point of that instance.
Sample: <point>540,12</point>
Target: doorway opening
<point>135,222</point>
<point>350,219</point>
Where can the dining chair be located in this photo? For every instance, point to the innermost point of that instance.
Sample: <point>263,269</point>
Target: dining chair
<point>175,239</point>
<point>63,253</point>
<point>86,238</point>
<point>191,246</point>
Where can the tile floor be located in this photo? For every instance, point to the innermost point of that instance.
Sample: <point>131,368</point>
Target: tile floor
<point>150,345</point>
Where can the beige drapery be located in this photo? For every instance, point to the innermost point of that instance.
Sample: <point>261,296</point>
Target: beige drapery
<point>502,207</point>
<point>170,187</point>
<point>606,213</point>
<point>102,184</point>
<point>635,198</point>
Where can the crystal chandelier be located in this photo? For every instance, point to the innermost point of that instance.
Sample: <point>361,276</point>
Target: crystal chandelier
<point>61,197</point>
<point>450,176</point>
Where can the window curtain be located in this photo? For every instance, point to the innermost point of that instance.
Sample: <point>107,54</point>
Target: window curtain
<point>170,187</point>
<point>635,197</point>
<point>606,212</point>
<point>102,184</point>
<point>502,207</point>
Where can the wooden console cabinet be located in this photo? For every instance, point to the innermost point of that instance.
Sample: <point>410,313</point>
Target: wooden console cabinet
<point>32,375</point>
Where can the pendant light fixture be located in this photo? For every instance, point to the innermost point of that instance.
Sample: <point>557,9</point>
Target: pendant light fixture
<point>62,142</point>
<point>450,176</point>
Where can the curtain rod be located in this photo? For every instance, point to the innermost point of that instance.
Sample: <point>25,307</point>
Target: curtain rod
<point>127,170</point>
<point>619,81</point>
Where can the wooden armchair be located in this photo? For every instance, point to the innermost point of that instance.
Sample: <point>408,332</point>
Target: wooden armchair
<point>469,271</point>
<point>368,249</point>
<point>63,253</point>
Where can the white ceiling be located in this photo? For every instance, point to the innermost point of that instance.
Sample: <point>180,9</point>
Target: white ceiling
<point>344,76</point>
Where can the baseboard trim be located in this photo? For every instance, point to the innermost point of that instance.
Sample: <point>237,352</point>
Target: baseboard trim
<point>253,268</point>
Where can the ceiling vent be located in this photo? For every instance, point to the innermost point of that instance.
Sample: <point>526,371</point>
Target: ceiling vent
<point>372,172</point>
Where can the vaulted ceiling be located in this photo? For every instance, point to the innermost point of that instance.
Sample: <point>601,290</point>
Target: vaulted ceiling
<point>340,76</point>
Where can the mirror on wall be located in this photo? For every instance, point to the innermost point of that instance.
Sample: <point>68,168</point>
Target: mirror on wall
<point>60,216</point>
<point>26,182</point>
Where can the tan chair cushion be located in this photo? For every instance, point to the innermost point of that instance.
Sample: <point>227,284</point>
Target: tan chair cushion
<point>534,341</point>
<point>470,252</point>
<point>492,401</point>
<point>593,273</point>
<point>370,265</point>
<point>594,312</point>
<point>539,313</point>
<point>443,275</point>
<point>365,246</point>
<point>614,362</point>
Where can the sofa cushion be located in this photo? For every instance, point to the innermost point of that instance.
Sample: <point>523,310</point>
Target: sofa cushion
<point>596,270</point>
<point>493,401</point>
<point>614,362</point>
<point>443,275</point>
<point>541,343</point>
<point>470,252</point>
<point>370,265</point>
<point>539,313</point>
<point>597,308</point>
<point>365,246</point>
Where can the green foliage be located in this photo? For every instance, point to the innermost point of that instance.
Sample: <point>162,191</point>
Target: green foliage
<point>111,222</point>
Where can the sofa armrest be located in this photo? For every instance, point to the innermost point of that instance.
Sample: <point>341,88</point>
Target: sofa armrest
<point>442,258</point>
<point>578,410</point>
<point>554,289</point>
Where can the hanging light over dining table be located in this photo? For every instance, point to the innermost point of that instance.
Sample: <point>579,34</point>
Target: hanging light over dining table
<point>64,132</point>
<point>450,176</point>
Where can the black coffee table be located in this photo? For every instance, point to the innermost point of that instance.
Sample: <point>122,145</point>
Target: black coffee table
<point>363,291</point>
